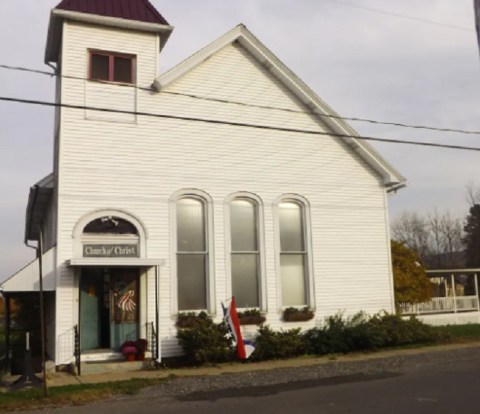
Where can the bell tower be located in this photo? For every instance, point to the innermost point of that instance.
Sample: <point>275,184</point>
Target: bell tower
<point>105,54</point>
<point>137,15</point>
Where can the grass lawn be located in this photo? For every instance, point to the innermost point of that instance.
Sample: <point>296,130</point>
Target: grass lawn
<point>461,333</point>
<point>33,398</point>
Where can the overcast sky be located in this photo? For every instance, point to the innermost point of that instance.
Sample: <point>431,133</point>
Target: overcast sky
<point>363,63</point>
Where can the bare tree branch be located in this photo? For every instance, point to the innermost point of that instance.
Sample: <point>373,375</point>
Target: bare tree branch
<point>436,238</point>
<point>473,194</point>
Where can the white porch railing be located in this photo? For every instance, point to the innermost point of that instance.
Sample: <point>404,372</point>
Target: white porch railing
<point>440,305</point>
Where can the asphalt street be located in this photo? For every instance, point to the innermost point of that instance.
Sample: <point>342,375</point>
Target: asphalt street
<point>445,386</point>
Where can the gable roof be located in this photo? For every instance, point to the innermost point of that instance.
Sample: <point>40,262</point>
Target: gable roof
<point>392,179</point>
<point>139,10</point>
<point>27,279</point>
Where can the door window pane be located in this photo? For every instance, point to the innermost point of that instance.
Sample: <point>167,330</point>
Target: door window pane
<point>243,225</point>
<point>124,306</point>
<point>291,227</point>
<point>191,225</point>
<point>293,279</point>
<point>245,280</point>
<point>192,281</point>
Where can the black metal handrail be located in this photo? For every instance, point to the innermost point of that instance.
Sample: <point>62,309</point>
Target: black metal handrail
<point>152,340</point>
<point>76,332</point>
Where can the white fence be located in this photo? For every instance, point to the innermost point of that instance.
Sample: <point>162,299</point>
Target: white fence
<point>440,305</point>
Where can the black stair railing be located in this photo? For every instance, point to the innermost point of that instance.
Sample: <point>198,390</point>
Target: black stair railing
<point>153,340</point>
<point>76,340</point>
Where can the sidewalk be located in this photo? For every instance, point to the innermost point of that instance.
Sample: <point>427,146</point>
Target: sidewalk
<point>61,379</point>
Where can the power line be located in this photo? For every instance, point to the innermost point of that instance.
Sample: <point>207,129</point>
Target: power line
<point>344,118</point>
<point>401,16</point>
<point>237,124</point>
<point>226,101</point>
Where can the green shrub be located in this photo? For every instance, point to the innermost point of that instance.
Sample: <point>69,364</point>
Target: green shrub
<point>401,331</point>
<point>205,341</point>
<point>270,344</point>
<point>364,333</point>
<point>331,338</point>
<point>317,341</point>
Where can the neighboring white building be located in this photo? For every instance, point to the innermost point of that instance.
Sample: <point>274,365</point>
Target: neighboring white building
<point>145,216</point>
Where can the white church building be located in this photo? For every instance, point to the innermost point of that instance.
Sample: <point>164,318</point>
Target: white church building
<point>225,176</point>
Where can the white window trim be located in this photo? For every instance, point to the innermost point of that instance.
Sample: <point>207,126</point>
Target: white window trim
<point>309,276</point>
<point>262,280</point>
<point>209,228</point>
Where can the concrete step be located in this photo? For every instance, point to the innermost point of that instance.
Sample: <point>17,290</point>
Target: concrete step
<point>102,367</point>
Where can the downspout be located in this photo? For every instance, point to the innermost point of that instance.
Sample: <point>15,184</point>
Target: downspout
<point>157,349</point>
<point>42,309</point>
<point>8,356</point>
<point>39,251</point>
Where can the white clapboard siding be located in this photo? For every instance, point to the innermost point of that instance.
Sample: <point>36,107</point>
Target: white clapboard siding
<point>137,166</point>
<point>100,94</point>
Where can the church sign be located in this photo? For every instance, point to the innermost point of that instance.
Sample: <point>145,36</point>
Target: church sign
<point>110,250</point>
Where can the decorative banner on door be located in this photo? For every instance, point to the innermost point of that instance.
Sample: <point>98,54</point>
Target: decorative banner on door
<point>110,250</point>
<point>125,299</point>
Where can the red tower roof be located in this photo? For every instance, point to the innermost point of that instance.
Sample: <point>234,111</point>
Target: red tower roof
<point>139,10</point>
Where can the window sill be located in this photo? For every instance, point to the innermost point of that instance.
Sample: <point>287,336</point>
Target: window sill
<point>108,82</point>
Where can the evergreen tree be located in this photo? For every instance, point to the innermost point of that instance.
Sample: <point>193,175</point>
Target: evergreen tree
<point>472,236</point>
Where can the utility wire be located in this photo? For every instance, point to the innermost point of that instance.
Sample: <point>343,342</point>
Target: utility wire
<point>236,124</point>
<point>401,16</point>
<point>344,118</point>
<point>225,101</point>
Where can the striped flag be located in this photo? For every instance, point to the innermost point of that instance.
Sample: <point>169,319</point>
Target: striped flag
<point>230,317</point>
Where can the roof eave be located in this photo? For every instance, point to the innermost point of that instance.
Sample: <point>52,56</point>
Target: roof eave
<point>57,16</point>
<point>38,200</point>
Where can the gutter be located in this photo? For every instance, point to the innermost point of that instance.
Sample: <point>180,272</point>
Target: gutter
<point>395,187</point>
<point>112,21</point>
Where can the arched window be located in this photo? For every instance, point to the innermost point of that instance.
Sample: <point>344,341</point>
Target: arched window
<point>293,253</point>
<point>109,233</point>
<point>110,225</point>
<point>192,247</point>
<point>245,252</point>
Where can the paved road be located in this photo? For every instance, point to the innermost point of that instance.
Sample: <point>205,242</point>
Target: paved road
<point>443,386</point>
